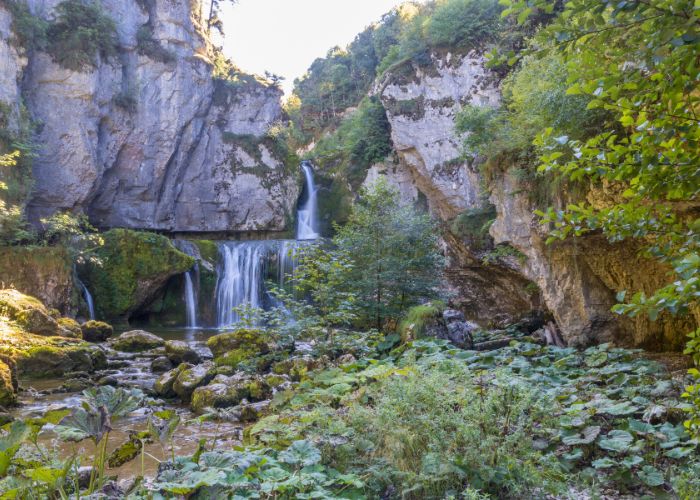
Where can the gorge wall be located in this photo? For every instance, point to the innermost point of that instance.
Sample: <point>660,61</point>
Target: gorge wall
<point>149,139</point>
<point>576,281</point>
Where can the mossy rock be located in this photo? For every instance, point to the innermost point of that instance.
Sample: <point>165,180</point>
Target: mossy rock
<point>190,379</point>
<point>178,352</point>
<point>7,389</point>
<point>164,385</point>
<point>133,267</point>
<point>96,331</point>
<point>225,392</point>
<point>71,326</point>
<point>296,369</point>
<point>247,341</point>
<point>55,361</point>
<point>423,321</point>
<point>137,341</point>
<point>29,314</point>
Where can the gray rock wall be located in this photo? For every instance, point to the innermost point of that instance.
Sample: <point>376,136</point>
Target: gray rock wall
<point>146,144</point>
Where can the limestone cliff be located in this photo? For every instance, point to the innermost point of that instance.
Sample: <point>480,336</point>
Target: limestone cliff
<point>149,139</point>
<point>576,281</point>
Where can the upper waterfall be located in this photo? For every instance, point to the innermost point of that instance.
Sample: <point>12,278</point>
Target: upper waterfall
<point>307,215</point>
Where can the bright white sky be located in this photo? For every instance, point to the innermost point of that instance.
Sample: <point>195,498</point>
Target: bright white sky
<point>285,36</point>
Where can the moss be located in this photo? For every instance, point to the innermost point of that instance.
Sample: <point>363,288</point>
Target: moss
<point>129,450</point>
<point>209,250</point>
<point>130,267</point>
<point>246,340</point>
<point>96,331</point>
<point>7,390</point>
<point>419,318</point>
<point>29,313</point>
<point>71,326</point>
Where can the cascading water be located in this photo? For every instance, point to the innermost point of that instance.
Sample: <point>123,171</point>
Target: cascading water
<point>190,300</point>
<point>243,266</point>
<point>88,299</point>
<point>307,215</point>
<point>191,279</point>
<point>241,278</point>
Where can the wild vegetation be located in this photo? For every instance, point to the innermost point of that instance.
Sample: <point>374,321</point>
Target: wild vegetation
<point>345,385</point>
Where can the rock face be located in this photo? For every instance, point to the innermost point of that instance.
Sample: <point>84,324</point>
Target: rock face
<point>421,104</point>
<point>421,109</point>
<point>576,281</point>
<point>151,142</point>
<point>42,272</point>
<point>580,278</point>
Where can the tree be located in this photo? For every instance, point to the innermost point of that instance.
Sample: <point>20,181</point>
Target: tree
<point>640,61</point>
<point>394,252</point>
<point>213,20</point>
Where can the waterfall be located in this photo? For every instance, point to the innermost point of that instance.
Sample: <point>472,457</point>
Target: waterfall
<point>88,299</point>
<point>191,281</point>
<point>307,215</point>
<point>241,278</point>
<point>190,300</point>
<point>286,260</point>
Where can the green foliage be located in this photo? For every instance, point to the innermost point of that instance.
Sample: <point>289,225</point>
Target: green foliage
<point>394,253</point>
<point>460,23</point>
<point>534,97</point>
<point>473,225</point>
<point>362,139</point>
<point>80,33</point>
<point>150,47</point>
<point>14,228</point>
<point>418,318</point>
<point>29,30</point>
<point>650,155</point>
<point>125,261</point>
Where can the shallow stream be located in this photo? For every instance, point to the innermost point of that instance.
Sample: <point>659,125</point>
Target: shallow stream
<point>131,370</point>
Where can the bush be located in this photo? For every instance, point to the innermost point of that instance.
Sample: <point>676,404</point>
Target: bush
<point>473,225</point>
<point>437,429</point>
<point>80,33</point>
<point>458,23</point>
<point>150,47</point>
<point>362,139</point>
<point>29,30</point>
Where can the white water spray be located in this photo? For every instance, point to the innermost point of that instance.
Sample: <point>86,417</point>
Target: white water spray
<point>88,300</point>
<point>190,300</point>
<point>307,215</point>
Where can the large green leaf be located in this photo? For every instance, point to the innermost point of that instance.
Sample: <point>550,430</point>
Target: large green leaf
<point>10,443</point>
<point>616,440</point>
<point>301,453</point>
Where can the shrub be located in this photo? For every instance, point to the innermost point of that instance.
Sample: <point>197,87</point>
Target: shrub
<point>437,429</point>
<point>362,139</point>
<point>80,33</point>
<point>29,30</point>
<point>473,225</point>
<point>150,47</point>
<point>419,318</point>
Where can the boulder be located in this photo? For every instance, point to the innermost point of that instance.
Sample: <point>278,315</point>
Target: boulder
<point>137,341</point>
<point>188,380</point>
<point>29,314</point>
<point>459,331</point>
<point>297,368</point>
<point>225,392</point>
<point>55,361</point>
<point>71,327</point>
<point>230,349</point>
<point>178,352</point>
<point>161,364</point>
<point>164,385</point>
<point>96,331</point>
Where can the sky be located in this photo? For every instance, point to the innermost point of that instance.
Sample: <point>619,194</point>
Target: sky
<point>286,36</point>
